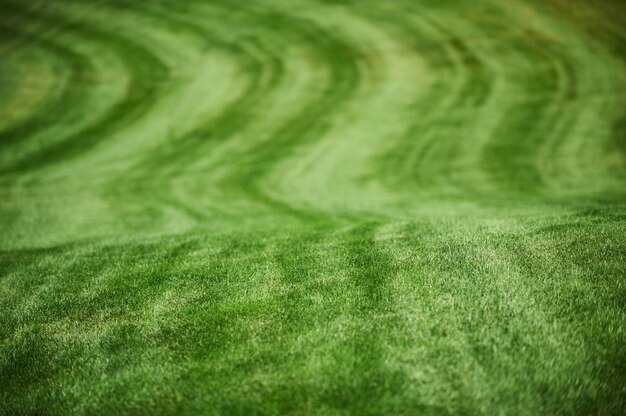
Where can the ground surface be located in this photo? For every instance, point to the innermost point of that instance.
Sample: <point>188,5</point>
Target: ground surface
<point>288,206</point>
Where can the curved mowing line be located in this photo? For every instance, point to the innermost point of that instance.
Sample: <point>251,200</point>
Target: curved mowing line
<point>476,107</point>
<point>146,76</point>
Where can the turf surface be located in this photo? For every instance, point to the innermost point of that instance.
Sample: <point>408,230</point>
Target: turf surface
<point>325,207</point>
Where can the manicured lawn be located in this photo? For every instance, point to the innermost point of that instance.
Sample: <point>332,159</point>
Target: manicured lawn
<point>323,207</point>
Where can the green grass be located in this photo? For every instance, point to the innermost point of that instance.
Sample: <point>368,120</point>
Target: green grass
<point>310,206</point>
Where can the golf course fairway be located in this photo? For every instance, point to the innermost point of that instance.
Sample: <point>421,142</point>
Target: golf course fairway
<point>348,207</point>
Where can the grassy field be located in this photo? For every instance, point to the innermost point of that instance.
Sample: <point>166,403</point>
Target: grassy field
<point>403,207</point>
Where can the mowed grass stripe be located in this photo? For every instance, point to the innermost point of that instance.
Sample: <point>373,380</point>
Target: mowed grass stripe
<point>312,206</point>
